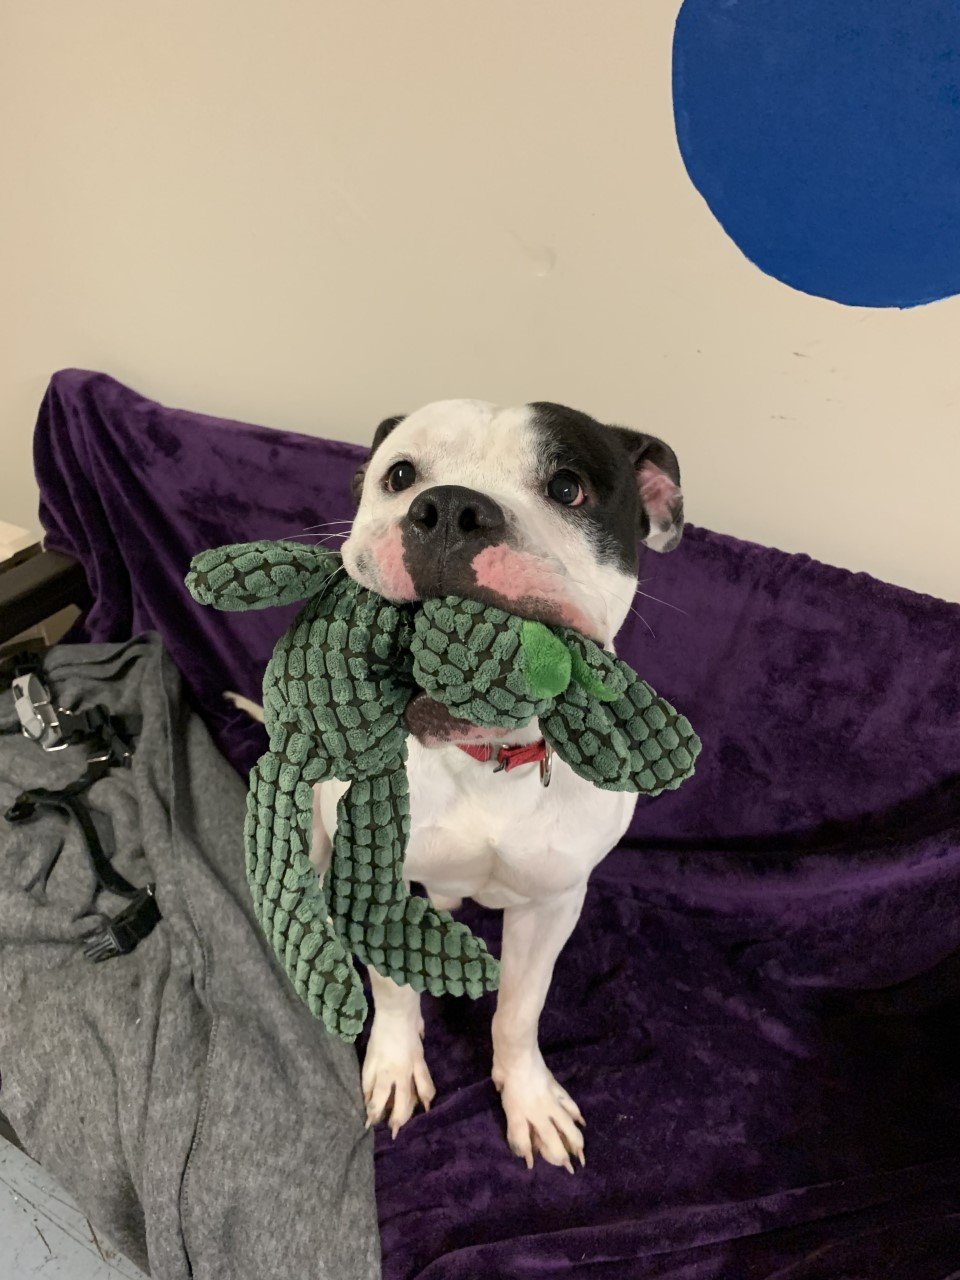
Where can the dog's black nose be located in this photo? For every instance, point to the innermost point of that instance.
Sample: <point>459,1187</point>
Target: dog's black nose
<point>448,514</point>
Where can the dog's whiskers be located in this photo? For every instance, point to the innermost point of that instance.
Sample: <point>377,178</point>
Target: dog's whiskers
<point>324,586</point>
<point>324,524</point>
<point>646,595</point>
<point>322,537</point>
<point>630,609</point>
<point>596,587</point>
<point>637,614</point>
<point>665,603</point>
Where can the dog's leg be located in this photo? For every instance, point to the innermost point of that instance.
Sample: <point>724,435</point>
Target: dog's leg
<point>395,1074</point>
<point>443,902</point>
<point>321,845</point>
<point>541,1116</point>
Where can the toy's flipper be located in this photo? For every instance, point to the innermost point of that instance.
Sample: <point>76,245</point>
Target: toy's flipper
<point>401,935</point>
<point>257,575</point>
<point>626,739</point>
<point>289,901</point>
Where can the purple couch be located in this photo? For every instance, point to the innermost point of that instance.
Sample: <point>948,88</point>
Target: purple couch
<point>758,1011</point>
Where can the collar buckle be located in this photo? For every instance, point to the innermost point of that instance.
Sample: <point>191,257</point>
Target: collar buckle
<point>511,757</point>
<point>39,718</point>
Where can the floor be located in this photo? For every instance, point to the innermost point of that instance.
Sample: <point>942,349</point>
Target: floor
<point>43,1233</point>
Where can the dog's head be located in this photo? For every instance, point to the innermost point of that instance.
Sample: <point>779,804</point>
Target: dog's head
<point>539,509</point>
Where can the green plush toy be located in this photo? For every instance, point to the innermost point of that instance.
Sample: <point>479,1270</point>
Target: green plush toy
<point>334,695</point>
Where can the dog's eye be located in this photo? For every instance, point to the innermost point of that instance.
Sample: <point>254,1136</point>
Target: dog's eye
<point>566,489</point>
<point>400,476</point>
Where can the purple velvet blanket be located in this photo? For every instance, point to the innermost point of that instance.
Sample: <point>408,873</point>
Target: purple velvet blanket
<point>758,1010</point>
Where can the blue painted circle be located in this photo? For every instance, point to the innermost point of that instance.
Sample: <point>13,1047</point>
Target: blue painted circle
<point>825,137</point>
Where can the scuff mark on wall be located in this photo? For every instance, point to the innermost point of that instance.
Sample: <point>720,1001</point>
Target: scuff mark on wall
<point>541,259</point>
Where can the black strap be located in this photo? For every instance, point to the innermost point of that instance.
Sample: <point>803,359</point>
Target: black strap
<point>67,801</point>
<point>113,746</point>
<point>119,936</point>
<point>21,658</point>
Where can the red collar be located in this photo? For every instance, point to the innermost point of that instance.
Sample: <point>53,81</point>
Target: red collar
<point>509,757</point>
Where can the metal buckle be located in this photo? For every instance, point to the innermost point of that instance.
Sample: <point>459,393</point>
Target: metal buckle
<point>546,765</point>
<point>37,715</point>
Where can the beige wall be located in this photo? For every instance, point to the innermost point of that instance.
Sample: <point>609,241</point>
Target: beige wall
<point>313,213</point>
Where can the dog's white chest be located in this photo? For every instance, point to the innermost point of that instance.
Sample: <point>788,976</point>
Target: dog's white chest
<point>503,839</point>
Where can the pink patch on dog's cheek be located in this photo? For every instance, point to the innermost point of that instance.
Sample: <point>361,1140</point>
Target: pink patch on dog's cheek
<point>518,576</point>
<point>512,574</point>
<point>392,573</point>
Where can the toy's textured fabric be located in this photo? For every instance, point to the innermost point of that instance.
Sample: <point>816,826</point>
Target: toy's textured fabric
<point>334,694</point>
<point>757,1009</point>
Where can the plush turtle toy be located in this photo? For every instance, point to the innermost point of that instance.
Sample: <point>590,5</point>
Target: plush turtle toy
<point>334,695</point>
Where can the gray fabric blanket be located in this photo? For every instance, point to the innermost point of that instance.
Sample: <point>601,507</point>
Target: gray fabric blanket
<point>182,1093</point>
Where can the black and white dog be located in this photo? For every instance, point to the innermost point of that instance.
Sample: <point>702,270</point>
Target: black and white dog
<point>539,509</point>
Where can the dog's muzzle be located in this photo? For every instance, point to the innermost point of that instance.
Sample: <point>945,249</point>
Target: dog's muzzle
<point>443,530</point>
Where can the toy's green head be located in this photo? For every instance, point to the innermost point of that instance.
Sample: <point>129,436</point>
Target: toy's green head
<point>494,669</point>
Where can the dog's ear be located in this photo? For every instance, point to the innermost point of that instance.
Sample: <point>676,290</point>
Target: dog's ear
<point>381,433</point>
<point>658,488</point>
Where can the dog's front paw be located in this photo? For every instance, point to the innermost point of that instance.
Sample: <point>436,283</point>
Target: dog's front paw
<point>542,1118</point>
<point>395,1074</point>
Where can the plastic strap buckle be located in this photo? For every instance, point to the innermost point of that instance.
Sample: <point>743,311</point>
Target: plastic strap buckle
<point>120,935</point>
